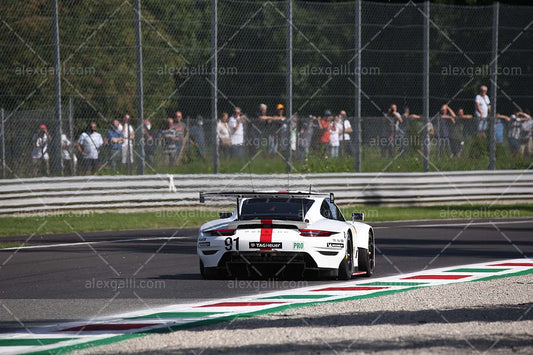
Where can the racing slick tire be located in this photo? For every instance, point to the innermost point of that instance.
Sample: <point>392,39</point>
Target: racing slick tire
<point>367,258</point>
<point>346,266</point>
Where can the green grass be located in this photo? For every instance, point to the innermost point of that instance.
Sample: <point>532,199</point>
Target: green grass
<point>86,222</point>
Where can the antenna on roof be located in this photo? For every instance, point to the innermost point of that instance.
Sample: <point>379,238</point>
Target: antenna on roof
<point>309,188</point>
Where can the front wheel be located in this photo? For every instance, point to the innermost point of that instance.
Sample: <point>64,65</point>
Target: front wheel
<point>346,265</point>
<point>367,257</point>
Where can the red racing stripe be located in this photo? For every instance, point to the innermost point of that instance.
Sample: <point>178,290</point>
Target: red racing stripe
<point>106,327</point>
<point>436,277</point>
<point>266,233</point>
<point>239,304</point>
<point>352,288</point>
<point>513,264</point>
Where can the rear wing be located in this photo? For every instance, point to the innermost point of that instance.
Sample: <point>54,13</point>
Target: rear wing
<point>238,196</point>
<point>246,194</point>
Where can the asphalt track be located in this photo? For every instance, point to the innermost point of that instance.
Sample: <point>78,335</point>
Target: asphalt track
<point>81,276</point>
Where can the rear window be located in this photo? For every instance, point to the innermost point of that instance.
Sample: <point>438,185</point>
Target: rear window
<point>275,208</point>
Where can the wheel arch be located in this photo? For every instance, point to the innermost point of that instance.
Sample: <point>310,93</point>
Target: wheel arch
<point>362,233</point>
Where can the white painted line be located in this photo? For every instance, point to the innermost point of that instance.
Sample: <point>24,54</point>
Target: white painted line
<point>455,224</point>
<point>93,243</point>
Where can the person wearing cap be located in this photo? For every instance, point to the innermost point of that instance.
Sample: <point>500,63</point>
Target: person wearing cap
<point>150,143</point>
<point>273,127</point>
<point>39,154</point>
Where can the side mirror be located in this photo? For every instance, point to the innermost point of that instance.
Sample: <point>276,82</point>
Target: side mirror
<point>225,214</point>
<point>358,216</point>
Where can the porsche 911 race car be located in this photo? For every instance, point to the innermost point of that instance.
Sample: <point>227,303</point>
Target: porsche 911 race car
<point>284,234</point>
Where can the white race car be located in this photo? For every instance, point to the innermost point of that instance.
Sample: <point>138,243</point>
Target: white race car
<point>284,234</point>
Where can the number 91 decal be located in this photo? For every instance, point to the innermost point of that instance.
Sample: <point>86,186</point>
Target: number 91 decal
<point>228,242</point>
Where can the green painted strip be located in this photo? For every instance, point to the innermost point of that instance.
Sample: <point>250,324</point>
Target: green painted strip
<point>476,270</point>
<point>32,341</point>
<point>211,321</point>
<point>177,315</point>
<point>295,297</point>
<point>394,283</point>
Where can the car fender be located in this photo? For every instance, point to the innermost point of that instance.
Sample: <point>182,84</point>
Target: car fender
<point>362,233</point>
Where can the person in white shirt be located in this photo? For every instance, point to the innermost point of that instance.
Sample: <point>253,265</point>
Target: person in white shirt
<point>69,160</point>
<point>346,128</point>
<point>39,154</point>
<point>88,145</point>
<point>482,110</point>
<point>334,136</point>
<point>129,135</point>
<point>236,125</point>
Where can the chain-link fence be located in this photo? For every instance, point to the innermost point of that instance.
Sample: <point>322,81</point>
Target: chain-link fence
<point>215,94</point>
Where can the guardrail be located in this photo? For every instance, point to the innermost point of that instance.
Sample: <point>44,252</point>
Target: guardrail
<point>126,193</point>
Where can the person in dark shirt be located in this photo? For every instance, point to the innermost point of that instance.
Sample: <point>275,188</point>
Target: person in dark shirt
<point>115,139</point>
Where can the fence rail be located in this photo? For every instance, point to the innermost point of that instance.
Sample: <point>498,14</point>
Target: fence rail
<point>129,193</point>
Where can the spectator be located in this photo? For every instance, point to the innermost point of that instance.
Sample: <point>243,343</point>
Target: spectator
<point>69,159</point>
<point>306,136</point>
<point>457,133</point>
<point>446,120</point>
<point>88,145</point>
<point>263,126</point>
<point>515,133</point>
<point>181,133</point>
<point>115,139</point>
<point>403,127</point>
<point>39,154</point>
<point>129,136</point>
<point>150,143</point>
<point>170,148</point>
<point>482,110</point>
<point>236,126</point>
<point>388,131</point>
<point>525,135</point>
<point>528,148</point>
<point>325,132</point>
<point>344,132</point>
<point>294,134</point>
<point>334,136</point>
<point>223,136</point>
<point>274,128</point>
<point>198,136</point>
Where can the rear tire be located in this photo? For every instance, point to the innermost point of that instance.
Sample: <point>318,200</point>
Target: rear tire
<point>346,266</point>
<point>367,257</point>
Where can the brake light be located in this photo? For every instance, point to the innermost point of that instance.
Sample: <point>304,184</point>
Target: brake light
<point>221,232</point>
<point>314,233</point>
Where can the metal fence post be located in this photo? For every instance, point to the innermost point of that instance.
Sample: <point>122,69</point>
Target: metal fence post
<point>55,155</point>
<point>3,144</point>
<point>357,112</point>
<point>494,84</point>
<point>288,79</point>
<point>214,81</point>
<point>71,134</point>
<point>140,104</point>
<point>425,86</point>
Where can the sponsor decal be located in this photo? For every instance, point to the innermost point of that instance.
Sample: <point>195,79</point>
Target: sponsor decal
<point>336,245</point>
<point>262,245</point>
<point>298,245</point>
<point>204,244</point>
<point>202,239</point>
